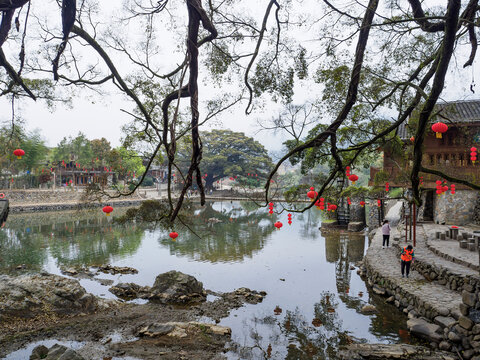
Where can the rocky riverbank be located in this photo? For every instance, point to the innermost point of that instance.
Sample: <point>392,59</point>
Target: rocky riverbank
<point>45,306</point>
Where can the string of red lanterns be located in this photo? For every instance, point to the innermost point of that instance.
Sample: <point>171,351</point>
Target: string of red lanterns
<point>473,154</point>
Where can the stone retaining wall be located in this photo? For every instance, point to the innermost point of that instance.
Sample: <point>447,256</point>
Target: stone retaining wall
<point>455,209</point>
<point>451,258</point>
<point>449,330</point>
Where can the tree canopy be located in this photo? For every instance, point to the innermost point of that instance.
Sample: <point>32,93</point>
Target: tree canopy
<point>365,59</point>
<point>231,154</point>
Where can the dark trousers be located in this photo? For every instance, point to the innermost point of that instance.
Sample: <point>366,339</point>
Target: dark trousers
<point>386,238</point>
<point>406,266</point>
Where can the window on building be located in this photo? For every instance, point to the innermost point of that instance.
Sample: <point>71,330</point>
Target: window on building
<point>453,160</point>
<point>461,160</point>
<point>439,159</point>
<point>432,160</point>
<point>447,159</point>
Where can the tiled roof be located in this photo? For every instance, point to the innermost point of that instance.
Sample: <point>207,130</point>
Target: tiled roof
<point>464,111</point>
<point>459,111</point>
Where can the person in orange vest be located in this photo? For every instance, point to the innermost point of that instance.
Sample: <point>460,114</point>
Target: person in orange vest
<point>407,257</point>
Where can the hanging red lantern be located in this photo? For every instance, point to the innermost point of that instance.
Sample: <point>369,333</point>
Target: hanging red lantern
<point>107,210</point>
<point>278,225</point>
<point>412,139</point>
<point>348,201</point>
<point>473,154</point>
<point>271,204</point>
<point>452,189</point>
<point>353,178</point>
<point>439,128</point>
<point>347,171</point>
<point>444,188</point>
<point>421,180</point>
<point>379,203</point>
<point>362,203</point>
<point>289,222</point>
<point>333,207</point>
<point>270,211</point>
<point>312,194</point>
<point>18,153</point>
<point>173,235</point>
<point>289,215</point>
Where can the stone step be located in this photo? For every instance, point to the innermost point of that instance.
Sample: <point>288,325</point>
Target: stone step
<point>452,274</point>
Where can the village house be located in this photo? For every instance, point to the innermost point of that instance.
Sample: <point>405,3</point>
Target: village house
<point>449,154</point>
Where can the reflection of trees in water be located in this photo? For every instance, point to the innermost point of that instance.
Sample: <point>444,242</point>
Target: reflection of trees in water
<point>311,221</point>
<point>72,240</point>
<point>241,233</point>
<point>294,336</point>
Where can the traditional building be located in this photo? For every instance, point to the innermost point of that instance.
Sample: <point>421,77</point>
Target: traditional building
<point>71,173</point>
<point>449,154</point>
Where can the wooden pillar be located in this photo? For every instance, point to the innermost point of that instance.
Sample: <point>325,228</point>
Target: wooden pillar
<point>414,225</point>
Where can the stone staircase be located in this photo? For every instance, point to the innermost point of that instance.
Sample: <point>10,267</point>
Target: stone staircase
<point>441,294</point>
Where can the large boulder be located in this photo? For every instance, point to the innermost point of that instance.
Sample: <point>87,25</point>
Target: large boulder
<point>425,329</point>
<point>173,287</point>
<point>56,352</point>
<point>28,296</point>
<point>177,287</point>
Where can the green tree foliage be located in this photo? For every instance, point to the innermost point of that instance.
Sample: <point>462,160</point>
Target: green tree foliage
<point>78,149</point>
<point>227,153</point>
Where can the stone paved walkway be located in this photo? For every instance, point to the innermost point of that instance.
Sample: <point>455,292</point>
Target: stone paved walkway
<point>450,247</point>
<point>426,235</point>
<point>387,262</point>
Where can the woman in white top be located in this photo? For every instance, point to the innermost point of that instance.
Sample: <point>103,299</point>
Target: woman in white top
<point>386,232</point>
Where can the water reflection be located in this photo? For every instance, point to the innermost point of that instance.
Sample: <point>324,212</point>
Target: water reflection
<point>224,232</point>
<point>306,274</point>
<point>71,238</point>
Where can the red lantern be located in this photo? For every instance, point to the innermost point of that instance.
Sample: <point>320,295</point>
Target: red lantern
<point>379,203</point>
<point>444,188</point>
<point>270,211</point>
<point>107,210</point>
<point>173,235</point>
<point>312,194</point>
<point>278,225</point>
<point>439,128</point>
<point>289,222</point>
<point>387,187</point>
<point>348,201</point>
<point>18,153</point>
<point>473,154</point>
<point>412,139</point>
<point>353,178</point>
<point>289,215</point>
<point>271,204</point>
<point>452,189</point>
<point>362,203</point>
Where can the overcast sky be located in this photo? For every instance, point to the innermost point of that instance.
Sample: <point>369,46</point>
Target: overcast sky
<point>101,117</point>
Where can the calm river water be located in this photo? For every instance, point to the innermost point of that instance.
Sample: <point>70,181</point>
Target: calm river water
<point>306,274</point>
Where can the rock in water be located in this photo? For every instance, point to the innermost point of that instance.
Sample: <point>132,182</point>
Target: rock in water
<point>28,296</point>
<point>177,287</point>
<point>392,351</point>
<point>368,309</point>
<point>425,329</point>
<point>56,352</point>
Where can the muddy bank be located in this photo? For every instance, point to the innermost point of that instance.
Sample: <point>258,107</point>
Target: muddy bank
<point>55,308</point>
